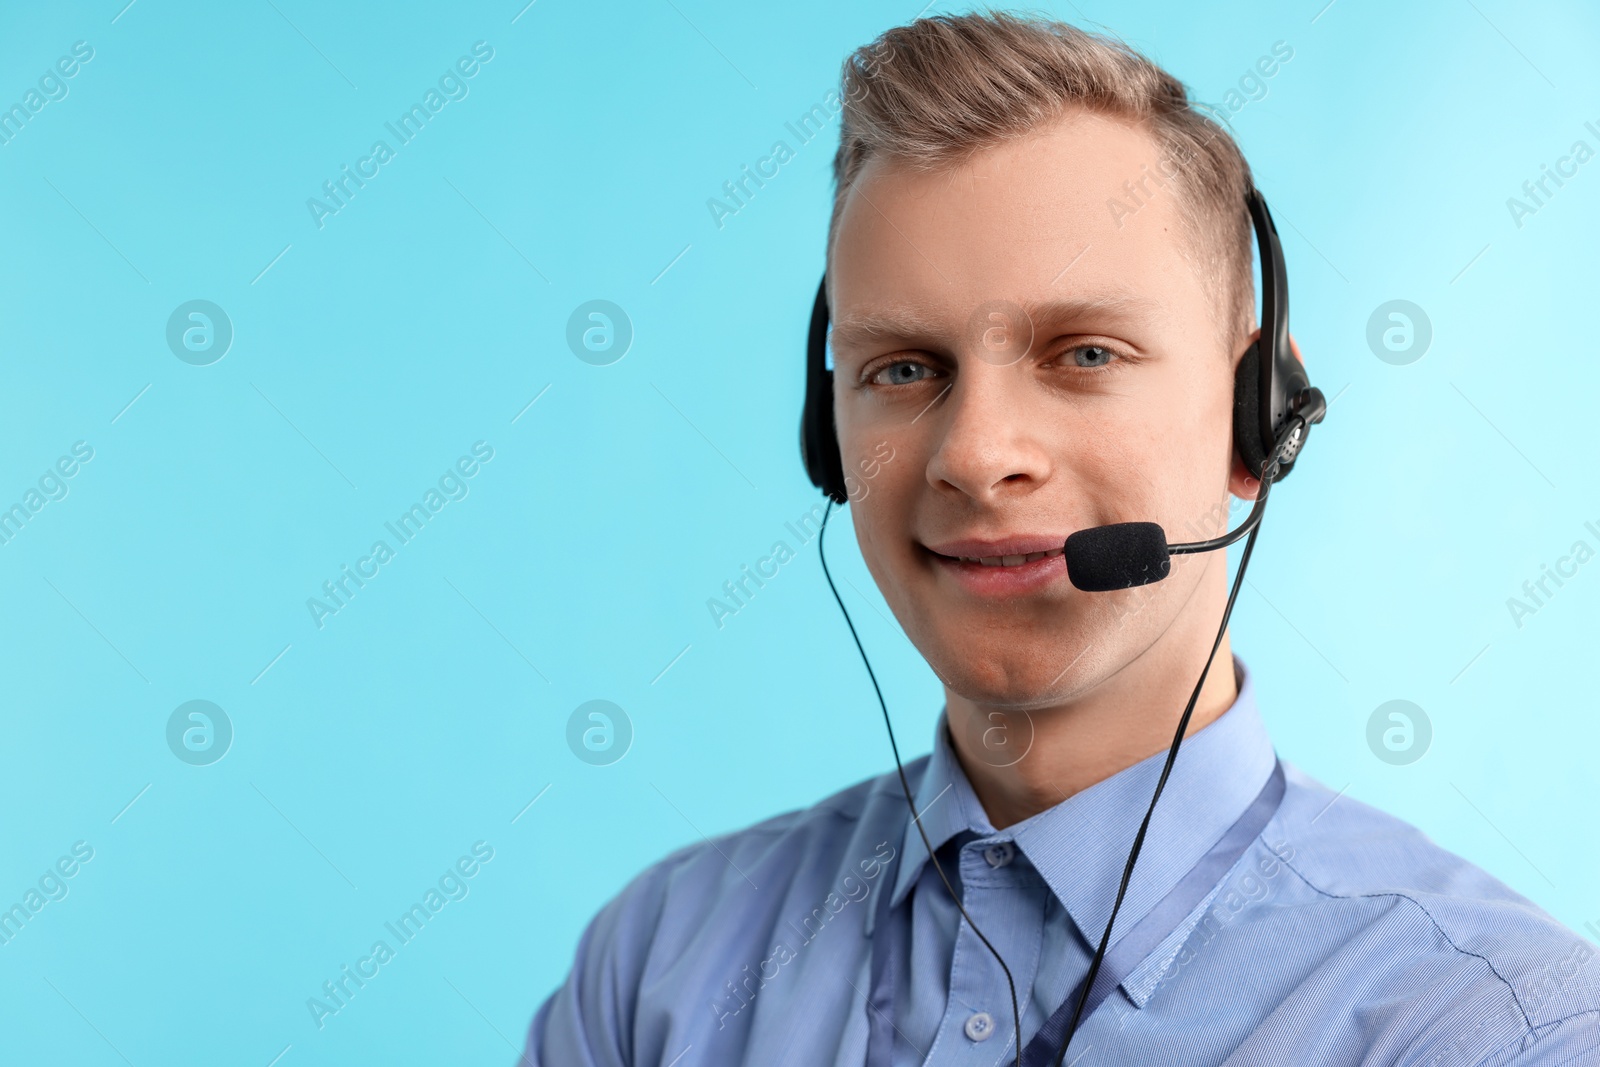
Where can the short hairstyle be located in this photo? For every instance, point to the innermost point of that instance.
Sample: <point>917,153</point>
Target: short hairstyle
<point>933,93</point>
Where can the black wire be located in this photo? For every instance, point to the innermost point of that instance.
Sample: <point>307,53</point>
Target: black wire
<point>1161,783</point>
<point>916,817</point>
<point>1228,538</point>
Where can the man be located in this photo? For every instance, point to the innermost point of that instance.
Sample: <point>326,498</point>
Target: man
<point>1040,282</point>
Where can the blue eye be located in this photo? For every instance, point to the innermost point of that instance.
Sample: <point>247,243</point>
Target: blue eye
<point>902,372</point>
<point>1092,356</point>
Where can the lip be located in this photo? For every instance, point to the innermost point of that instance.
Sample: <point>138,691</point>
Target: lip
<point>1001,581</point>
<point>1019,545</point>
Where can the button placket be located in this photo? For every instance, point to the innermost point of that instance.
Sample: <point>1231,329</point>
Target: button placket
<point>1007,903</point>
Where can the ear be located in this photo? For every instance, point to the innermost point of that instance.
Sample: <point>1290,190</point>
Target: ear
<point>1241,483</point>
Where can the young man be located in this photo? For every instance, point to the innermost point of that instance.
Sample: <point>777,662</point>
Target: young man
<point>1040,282</point>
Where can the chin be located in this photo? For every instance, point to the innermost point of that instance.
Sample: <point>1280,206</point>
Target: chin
<point>1001,669</point>
<point>1026,659</point>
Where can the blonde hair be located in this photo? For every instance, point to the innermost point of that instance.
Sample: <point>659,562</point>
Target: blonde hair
<point>932,93</point>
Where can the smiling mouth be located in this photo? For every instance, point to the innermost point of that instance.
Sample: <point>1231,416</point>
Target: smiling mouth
<point>1004,561</point>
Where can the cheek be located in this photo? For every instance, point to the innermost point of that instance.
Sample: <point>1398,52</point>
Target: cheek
<point>1112,461</point>
<point>880,521</point>
<point>882,459</point>
<point>883,521</point>
<point>1189,451</point>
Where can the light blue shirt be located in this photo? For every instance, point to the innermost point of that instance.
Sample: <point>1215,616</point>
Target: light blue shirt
<point>1342,936</point>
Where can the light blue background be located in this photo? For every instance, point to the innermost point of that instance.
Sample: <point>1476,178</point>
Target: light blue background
<point>371,753</point>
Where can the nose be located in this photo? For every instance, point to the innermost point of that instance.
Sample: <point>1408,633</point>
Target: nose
<point>990,443</point>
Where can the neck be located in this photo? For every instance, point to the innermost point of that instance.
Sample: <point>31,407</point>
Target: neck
<point>1122,720</point>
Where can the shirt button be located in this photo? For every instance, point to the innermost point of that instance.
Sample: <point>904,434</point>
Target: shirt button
<point>980,1027</point>
<point>1000,853</point>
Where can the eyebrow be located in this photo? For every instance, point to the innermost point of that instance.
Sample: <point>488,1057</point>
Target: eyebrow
<point>912,323</point>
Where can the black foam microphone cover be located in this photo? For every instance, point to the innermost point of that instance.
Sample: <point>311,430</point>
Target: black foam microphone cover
<point>1118,556</point>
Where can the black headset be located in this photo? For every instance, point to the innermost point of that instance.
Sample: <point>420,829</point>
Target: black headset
<point>1270,386</point>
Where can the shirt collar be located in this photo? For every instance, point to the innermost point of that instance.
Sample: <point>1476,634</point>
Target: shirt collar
<point>1080,845</point>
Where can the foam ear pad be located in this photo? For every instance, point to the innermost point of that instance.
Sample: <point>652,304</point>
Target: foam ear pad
<point>819,439</point>
<point>819,442</point>
<point>1247,411</point>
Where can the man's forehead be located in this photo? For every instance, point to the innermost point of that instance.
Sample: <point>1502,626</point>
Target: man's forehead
<point>1016,216</point>
<point>1078,154</point>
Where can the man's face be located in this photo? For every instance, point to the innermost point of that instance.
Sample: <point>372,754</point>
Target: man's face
<point>1035,368</point>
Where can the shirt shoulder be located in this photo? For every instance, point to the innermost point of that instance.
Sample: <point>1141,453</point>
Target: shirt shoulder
<point>826,839</point>
<point>1496,979</point>
<point>712,906</point>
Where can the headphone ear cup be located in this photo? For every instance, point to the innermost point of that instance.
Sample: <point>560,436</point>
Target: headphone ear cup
<point>819,442</point>
<point>819,439</point>
<point>1247,411</point>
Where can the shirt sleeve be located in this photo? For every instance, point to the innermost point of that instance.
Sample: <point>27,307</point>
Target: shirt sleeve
<point>573,1027</point>
<point>589,1020</point>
